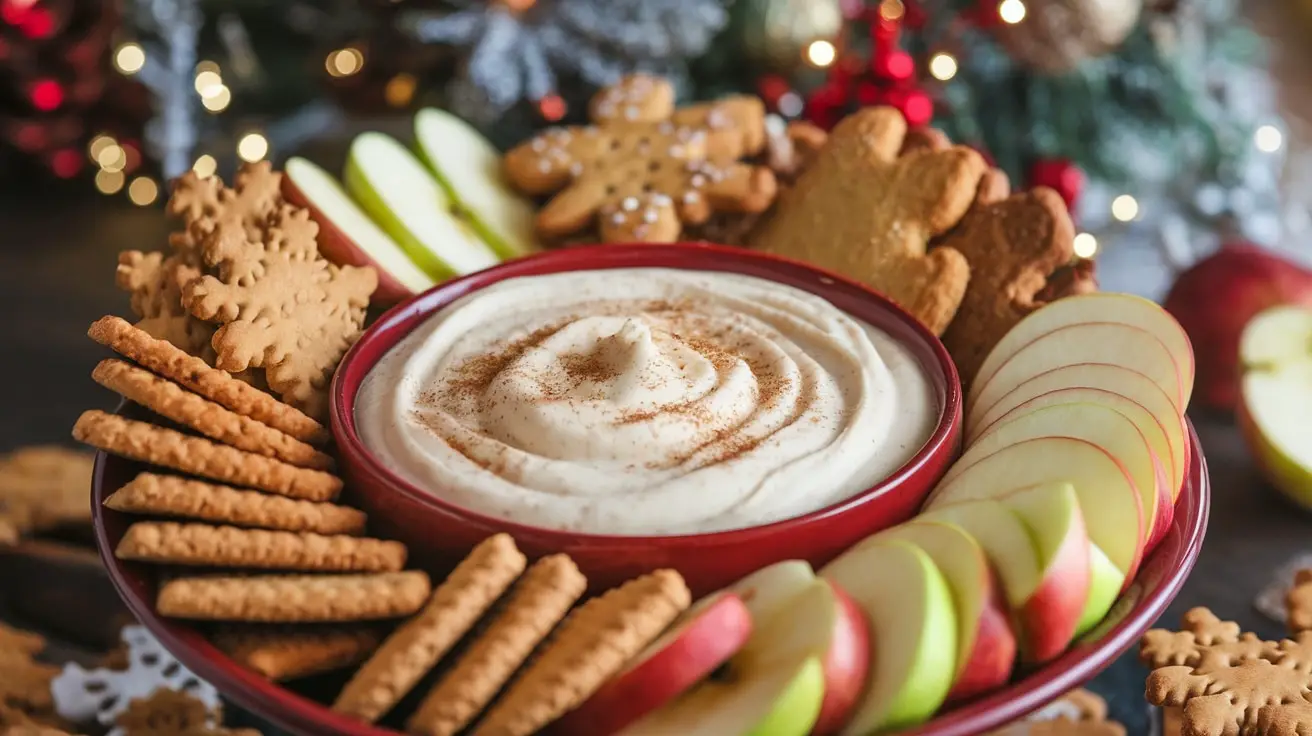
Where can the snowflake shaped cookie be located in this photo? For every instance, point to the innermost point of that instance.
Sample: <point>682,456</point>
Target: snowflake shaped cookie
<point>282,306</point>
<point>643,170</point>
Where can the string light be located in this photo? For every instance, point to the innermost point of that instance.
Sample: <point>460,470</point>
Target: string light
<point>344,62</point>
<point>208,82</point>
<point>142,191</point>
<point>942,66</point>
<point>205,166</point>
<point>217,102</point>
<point>99,144</point>
<point>400,90</point>
<point>1085,245</point>
<point>1125,208</point>
<point>65,163</point>
<point>821,53</point>
<point>46,94</point>
<point>129,58</point>
<point>892,9</point>
<point>1011,11</point>
<point>112,158</point>
<point>252,147</point>
<point>109,182</point>
<point>1268,139</point>
<point>790,104</point>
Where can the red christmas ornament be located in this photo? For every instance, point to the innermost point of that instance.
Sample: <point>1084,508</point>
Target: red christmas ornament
<point>1059,175</point>
<point>895,66</point>
<point>37,24</point>
<point>14,11</point>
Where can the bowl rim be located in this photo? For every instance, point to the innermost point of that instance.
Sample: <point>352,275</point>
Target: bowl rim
<point>415,311</point>
<point>1097,650</point>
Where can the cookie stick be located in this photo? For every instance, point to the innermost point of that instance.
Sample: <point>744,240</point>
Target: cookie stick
<point>413,649</point>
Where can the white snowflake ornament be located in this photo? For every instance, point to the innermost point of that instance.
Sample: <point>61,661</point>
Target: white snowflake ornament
<point>101,694</point>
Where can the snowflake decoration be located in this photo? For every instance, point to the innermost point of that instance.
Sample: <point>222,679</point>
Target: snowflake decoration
<point>102,694</point>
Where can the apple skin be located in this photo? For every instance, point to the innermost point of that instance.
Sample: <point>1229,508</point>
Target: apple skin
<point>994,655</point>
<point>845,666</point>
<point>1105,584</point>
<point>713,633</point>
<point>1214,300</point>
<point>795,712</point>
<point>338,249</point>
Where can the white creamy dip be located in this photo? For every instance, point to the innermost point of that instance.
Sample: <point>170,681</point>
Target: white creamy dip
<point>645,402</point>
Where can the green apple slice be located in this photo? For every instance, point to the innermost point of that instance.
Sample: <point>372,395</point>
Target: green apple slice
<point>346,234</point>
<point>913,633</point>
<point>1105,584</point>
<point>406,201</point>
<point>469,168</point>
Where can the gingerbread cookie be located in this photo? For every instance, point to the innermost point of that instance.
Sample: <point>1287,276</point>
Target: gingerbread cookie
<point>1012,245</point>
<point>1229,682</point>
<point>1077,713</point>
<point>863,211</point>
<point>282,306</point>
<point>1298,602</point>
<point>43,487</point>
<point>154,282</point>
<point>204,202</point>
<point>173,713</point>
<point>643,170</point>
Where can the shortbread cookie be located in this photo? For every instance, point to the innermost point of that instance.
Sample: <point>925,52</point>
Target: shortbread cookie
<point>42,487</point>
<point>591,645</point>
<point>172,449</point>
<point>191,372</point>
<point>293,598</point>
<point>539,601</point>
<point>863,211</point>
<point>643,170</point>
<point>202,545</point>
<point>168,399</point>
<point>285,652</point>
<point>280,305</point>
<point>175,496</point>
<point>415,648</point>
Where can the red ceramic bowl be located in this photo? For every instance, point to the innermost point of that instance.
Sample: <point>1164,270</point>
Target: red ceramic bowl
<point>298,707</point>
<point>440,533</point>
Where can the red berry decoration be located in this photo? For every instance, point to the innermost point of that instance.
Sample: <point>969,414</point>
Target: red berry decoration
<point>1059,175</point>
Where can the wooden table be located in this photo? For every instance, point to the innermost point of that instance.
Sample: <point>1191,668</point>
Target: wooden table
<point>56,276</point>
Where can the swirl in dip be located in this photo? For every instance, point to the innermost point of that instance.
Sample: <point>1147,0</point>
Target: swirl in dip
<point>645,402</point>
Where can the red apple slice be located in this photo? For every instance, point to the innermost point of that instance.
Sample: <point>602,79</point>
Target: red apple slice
<point>1108,499</point>
<point>1091,342</point>
<point>799,673</point>
<point>1152,430</point>
<point>711,632</point>
<point>1099,424</point>
<point>1102,376</point>
<point>1047,594</point>
<point>986,646</point>
<point>1098,307</point>
<point>347,237</point>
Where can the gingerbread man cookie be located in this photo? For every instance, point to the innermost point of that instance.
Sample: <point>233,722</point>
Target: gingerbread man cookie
<point>644,170</point>
<point>1012,245</point>
<point>862,210</point>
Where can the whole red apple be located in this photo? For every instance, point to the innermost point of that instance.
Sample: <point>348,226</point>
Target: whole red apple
<point>1216,297</point>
